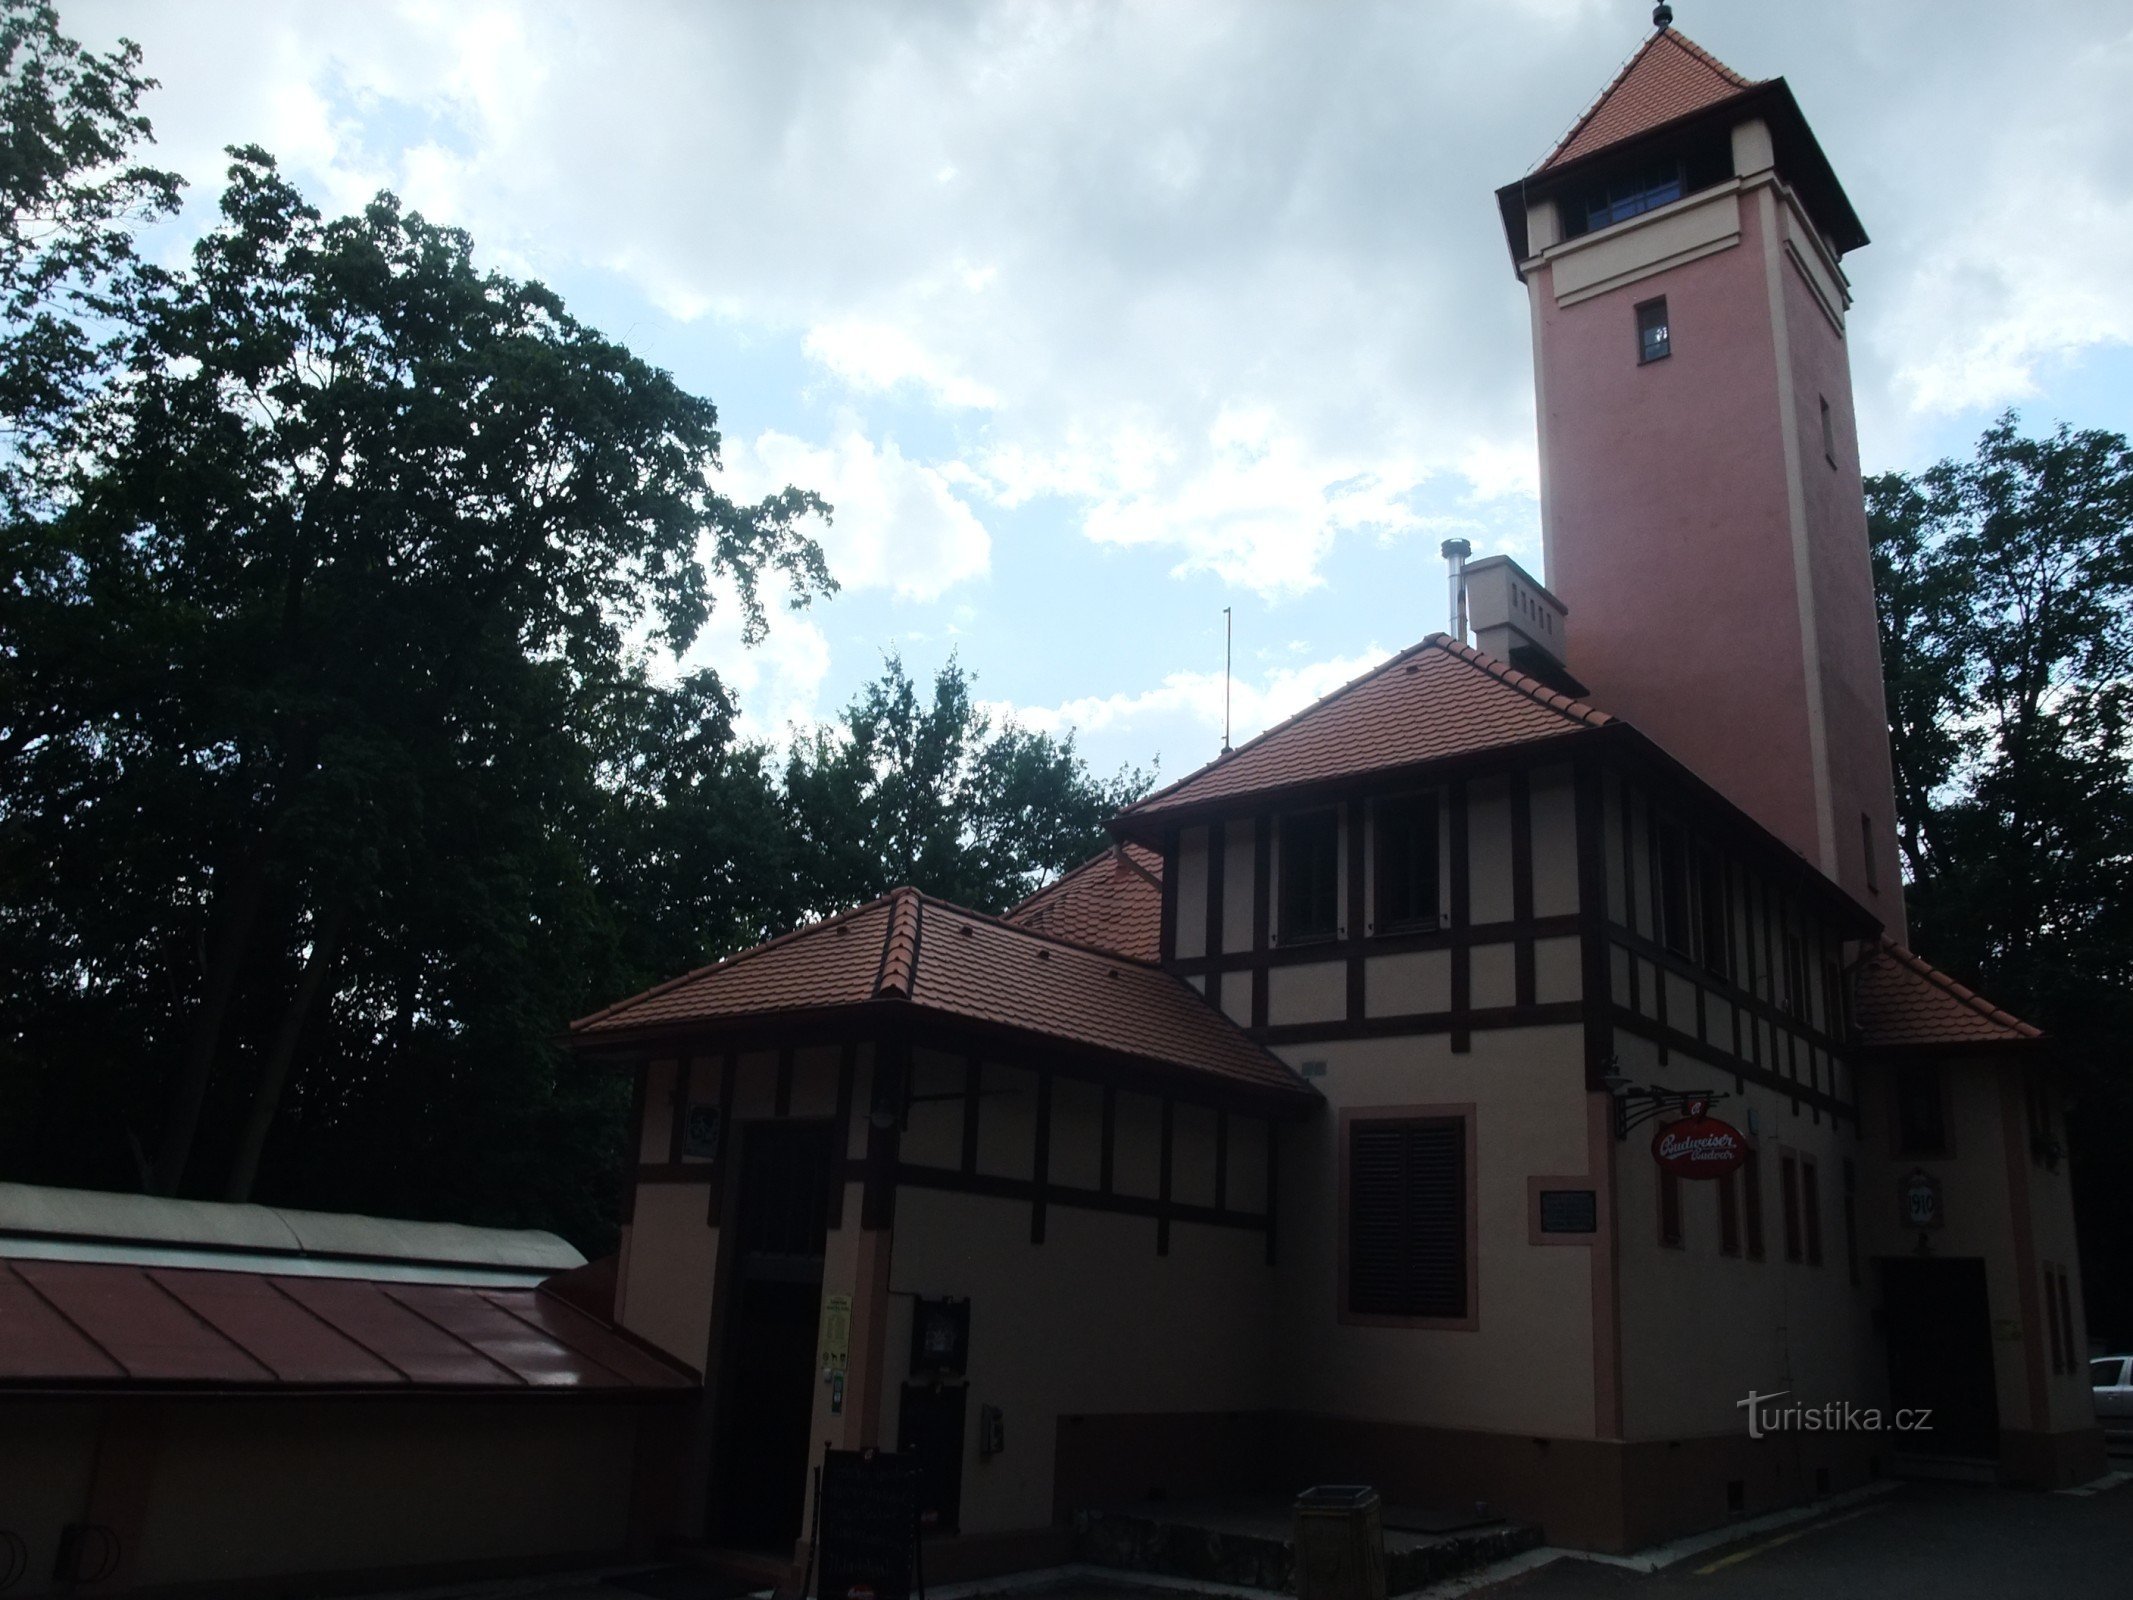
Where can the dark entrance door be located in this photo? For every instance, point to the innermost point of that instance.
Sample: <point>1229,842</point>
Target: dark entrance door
<point>1940,1354</point>
<point>783,1214</point>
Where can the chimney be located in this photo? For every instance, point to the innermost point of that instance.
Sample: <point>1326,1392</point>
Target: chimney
<point>1518,621</point>
<point>1456,551</point>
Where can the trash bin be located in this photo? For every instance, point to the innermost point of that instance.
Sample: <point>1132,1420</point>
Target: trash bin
<point>1340,1543</point>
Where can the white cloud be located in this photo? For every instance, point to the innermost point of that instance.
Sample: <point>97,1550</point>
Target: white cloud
<point>1226,282</point>
<point>1195,699</point>
<point>897,524</point>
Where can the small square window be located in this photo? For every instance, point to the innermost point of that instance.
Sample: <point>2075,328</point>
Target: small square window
<point>1655,338</point>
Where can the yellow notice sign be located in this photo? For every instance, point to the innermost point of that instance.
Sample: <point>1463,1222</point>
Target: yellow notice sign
<point>836,1333</point>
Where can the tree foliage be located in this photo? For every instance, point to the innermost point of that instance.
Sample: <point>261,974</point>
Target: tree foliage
<point>2005,584</point>
<point>932,793</point>
<point>340,760</point>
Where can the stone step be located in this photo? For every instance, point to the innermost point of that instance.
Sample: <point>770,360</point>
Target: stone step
<point>1250,1544</point>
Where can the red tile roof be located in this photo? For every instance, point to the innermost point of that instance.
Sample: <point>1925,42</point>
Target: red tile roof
<point>911,949</point>
<point>118,1325</point>
<point>1113,901</point>
<point>1669,77</point>
<point>1432,702</point>
<point>1904,1000</point>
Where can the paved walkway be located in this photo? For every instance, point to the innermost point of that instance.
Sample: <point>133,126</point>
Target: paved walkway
<point>1923,1541</point>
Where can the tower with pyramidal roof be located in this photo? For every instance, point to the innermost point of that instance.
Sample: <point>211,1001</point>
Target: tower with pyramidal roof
<point>1701,505</point>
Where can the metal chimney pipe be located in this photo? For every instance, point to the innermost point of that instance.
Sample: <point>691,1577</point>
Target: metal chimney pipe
<point>1456,551</point>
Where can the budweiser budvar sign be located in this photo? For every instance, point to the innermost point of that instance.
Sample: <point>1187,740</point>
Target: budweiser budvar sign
<point>1699,1145</point>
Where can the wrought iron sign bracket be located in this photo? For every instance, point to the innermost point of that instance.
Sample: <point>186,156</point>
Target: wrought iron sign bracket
<point>1637,1103</point>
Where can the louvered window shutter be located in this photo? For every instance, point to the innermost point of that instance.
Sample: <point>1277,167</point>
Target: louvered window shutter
<point>1407,1219</point>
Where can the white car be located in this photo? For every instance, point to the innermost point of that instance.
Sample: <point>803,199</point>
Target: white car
<point>2114,1395</point>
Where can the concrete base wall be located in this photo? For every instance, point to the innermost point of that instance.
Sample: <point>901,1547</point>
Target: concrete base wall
<point>1585,1493</point>
<point>231,1495</point>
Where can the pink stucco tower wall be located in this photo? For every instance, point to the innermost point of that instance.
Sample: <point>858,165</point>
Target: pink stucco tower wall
<point>1701,508</point>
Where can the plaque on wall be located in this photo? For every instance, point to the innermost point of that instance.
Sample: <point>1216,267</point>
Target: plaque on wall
<point>940,1338</point>
<point>1569,1211</point>
<point>1921,1200</point>
<point>699,1131</point>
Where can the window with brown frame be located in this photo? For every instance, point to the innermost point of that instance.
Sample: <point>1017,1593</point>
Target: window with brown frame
<point>1921,1114</point>
<point>1789,1204</point>
<point>1714,924</point>
<point>1673,868</point>
<point>1811,1210</point>
<point>1404,830</point>
<point>1669,1208</point>
<point>1310,876</point>
<point>1407,1217</point>
<point>1751,1194</point>
<point>1729,1215</point>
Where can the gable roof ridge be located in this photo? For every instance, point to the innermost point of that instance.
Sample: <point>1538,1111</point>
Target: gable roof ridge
<point>1007,925</point>
<point>897,975</point>
<point>1569,705</point>
<point>1290,720</point>
<point>1575,709</point>
<point>1925,969</point>
<point>667,986</point>
<point>1690,47</point>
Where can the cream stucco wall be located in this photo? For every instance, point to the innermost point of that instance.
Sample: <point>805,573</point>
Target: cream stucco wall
<point>1092,1321</point>
<point>1701,1328</point>
<point>1527,1368</point>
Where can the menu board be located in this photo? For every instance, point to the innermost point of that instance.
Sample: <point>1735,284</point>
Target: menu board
<point>869,1526</point>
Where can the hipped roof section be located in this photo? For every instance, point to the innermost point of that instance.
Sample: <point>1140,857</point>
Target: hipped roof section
<point>1437,701</point>
<point>1437,705</point>
<point>911,956</point>
<point>1670,86</point>
<point>1904,1002</point>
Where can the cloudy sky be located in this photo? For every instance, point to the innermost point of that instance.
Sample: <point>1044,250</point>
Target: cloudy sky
<point>1094,319</point>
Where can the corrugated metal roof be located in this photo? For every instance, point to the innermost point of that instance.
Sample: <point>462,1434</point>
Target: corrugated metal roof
<point>111,1325</point>
<point>92,1225</point>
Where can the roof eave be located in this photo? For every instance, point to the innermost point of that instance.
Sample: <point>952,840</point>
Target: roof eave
<point>1152,827</point>
<point>627,1049</point>
<point>1800,158</point>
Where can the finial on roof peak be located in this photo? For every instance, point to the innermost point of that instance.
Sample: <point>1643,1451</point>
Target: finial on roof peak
<point>1662,16</point>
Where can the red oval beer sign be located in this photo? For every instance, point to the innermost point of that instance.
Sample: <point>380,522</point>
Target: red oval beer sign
<point>1699,1145</point>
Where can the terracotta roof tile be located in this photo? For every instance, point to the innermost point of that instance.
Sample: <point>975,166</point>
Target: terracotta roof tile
<point>1904,1000</point>
<point>1669,77</point>
<point>1113,901</point>
<point>954,962</point>
<point>1433,701</point>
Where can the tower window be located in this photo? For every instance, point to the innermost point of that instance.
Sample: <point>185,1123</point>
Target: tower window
<point>1655,339</point>
<point>1829,433</point>
<point>1633,194</point>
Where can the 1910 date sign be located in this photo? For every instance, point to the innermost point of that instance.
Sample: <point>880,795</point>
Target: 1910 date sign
<point>1699,1145</point>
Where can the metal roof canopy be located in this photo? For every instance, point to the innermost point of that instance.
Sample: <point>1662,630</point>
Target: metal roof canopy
<point>39,1223</point>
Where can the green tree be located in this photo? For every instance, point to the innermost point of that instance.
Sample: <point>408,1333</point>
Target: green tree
<point>2005,586</point>
<point>321,642</point>
<point>930,792</point>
